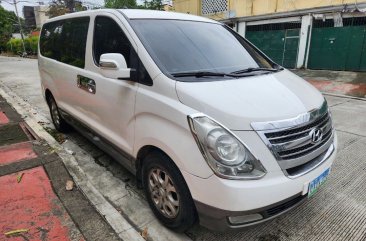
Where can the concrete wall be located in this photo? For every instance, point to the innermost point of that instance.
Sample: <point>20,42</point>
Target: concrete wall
<point>187,6</point>
<point>40,13</point>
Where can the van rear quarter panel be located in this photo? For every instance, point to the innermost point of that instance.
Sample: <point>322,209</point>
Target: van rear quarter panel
<point>47,70</point>
<point>161,121</point>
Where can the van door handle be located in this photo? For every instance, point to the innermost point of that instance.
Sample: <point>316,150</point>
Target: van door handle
<point>86,84</point>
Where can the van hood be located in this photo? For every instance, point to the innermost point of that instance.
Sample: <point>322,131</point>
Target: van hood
<point>236,103</point>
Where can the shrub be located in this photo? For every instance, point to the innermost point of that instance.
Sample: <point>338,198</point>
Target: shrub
<point>15,45</point>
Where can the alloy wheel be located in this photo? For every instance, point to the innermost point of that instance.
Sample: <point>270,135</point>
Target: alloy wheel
<point>55,114</point>
<point>163,193</point>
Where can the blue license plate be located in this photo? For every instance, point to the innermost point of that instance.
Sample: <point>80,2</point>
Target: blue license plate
<point>317,182</point>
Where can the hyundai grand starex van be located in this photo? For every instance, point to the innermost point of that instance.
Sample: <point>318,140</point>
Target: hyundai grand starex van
<point>215,131</point>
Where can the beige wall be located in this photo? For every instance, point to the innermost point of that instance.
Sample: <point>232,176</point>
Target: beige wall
<point>257,7</point>
<point>168,7</point>
<point>187,6</point>
<point>241,7</point>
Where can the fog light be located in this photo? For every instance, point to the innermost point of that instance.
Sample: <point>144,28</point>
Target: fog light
<point>245,218</point>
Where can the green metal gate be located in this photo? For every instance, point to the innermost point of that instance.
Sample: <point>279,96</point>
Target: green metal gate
<point>280,45</point>
<point>338,48</point>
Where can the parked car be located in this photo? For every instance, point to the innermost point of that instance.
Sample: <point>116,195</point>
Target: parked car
<point>214,131</point>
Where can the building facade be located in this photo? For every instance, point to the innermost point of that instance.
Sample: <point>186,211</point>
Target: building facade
<point>317,34</point>
<point>29,19</point>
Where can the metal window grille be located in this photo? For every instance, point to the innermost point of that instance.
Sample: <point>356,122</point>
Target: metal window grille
<point>214,6</point>
<point>274,26</point>
<point>329,23</point>
<point>355,21</point>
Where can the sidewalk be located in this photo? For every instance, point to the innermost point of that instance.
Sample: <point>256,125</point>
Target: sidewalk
<point>34,202</point>
<point>336,82</point>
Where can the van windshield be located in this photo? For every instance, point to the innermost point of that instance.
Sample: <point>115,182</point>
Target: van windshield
<point>182,48</point>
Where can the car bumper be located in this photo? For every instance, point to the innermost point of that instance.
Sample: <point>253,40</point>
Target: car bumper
<point>218,219</point>
<point>218,201</point>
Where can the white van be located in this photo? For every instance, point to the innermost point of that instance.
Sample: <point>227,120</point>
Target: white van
<point>214,131</point>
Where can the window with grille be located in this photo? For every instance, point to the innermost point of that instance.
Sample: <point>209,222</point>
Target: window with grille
<point>214,6</point>
<point>274,26</point>
<point>329,23</point>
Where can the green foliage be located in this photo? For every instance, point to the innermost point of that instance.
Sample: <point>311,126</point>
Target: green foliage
<point>61,7</point>
<point>57,10</point>
<point>154,4</point>
<point>7,21</point>
<point>31,44</point>
<point>120,4</point>
<point>15,45</point>
<point>147,4</point>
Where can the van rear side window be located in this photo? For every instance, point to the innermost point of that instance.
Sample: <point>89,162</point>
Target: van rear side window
<point>65,41</point>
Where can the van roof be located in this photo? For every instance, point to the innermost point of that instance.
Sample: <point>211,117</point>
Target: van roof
<point>139,14</point>
<point>153,14</point>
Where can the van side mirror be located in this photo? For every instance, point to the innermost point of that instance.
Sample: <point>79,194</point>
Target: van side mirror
<point>114,66</point>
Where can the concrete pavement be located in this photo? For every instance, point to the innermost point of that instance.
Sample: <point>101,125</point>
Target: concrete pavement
<point>336,212</point>
<point>336,82</point>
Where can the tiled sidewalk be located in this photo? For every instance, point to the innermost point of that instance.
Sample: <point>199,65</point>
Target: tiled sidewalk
<point>27,201</point>
<point>34,204</point>
<point>31,204</point>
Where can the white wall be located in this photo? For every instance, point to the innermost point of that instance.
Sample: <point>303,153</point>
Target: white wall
<point>241,28</point>
<point>305,31</point>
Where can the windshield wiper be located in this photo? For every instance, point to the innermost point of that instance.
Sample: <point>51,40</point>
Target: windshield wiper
<point>249,70</point>
<point>199,74</point>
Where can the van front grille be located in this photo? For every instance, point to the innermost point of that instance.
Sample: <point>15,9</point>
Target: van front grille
<point>299,144</point>
<point>284,206</point>
<point>295,133</point>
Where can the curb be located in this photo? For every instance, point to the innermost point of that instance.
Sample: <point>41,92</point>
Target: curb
<point>119,224</point>
<point>344,96</point>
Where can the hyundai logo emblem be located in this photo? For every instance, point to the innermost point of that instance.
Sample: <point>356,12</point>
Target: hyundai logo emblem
<point>316,135</point>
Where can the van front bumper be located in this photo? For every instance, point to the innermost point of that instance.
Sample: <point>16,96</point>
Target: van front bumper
<point>224,204</point>
<point>220,220</point>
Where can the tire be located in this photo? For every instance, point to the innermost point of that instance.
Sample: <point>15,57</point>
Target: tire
<point>57,120</point>
<point>167,192</point>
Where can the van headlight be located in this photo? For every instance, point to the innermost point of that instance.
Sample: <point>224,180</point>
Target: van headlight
<point>227,156</point>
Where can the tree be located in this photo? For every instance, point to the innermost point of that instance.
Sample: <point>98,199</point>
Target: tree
<point>59,7</point>
<point>8,20</point>
<point>147,4</point>
<point>120,4</point>
<point>154,4</point>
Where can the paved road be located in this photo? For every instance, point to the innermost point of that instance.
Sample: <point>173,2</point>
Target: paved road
<point>336,212</point>
<point>338,82</point>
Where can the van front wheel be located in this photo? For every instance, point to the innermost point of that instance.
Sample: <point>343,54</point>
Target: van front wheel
<point>167,192</point>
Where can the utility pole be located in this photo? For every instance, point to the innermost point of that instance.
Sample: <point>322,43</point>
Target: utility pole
<point>20,26</point>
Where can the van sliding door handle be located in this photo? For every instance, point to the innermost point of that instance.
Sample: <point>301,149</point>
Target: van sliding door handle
<point>86,84</point>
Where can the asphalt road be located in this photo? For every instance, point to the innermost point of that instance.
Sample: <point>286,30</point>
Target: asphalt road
<point>336,212</point>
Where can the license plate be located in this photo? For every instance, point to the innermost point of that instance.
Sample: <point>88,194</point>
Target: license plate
<point>317,182</point>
